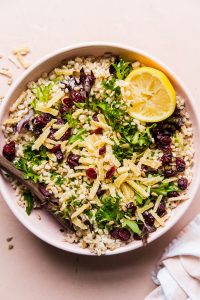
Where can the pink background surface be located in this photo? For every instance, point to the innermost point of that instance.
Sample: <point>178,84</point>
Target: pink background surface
<point>169,30</point>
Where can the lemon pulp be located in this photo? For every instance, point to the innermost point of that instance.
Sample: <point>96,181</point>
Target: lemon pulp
<point>149,95</point>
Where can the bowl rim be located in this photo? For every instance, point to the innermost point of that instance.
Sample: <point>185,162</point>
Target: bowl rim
<point>78,250</point>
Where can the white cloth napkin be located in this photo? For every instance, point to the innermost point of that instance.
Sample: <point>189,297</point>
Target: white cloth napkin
<point>178,272</point>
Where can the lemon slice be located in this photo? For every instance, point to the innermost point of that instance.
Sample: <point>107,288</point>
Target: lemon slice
<point>149,95</point>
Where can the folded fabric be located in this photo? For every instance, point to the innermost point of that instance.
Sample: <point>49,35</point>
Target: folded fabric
<point>178,272</point>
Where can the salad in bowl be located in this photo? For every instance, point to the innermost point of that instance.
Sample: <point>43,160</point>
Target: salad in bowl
<point>109,142</point>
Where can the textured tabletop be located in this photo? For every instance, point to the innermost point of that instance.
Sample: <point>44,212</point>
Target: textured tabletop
<point>169,30</point>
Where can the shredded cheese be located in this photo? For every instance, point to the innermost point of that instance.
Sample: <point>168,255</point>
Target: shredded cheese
<point>12,121</point>
<point>41,139</point>
<point>18,102</point>
<point>112,190</point>
<point>138,188</point>
<point>6,73</point>
<point>181,197</point>
<point>157,218</point>
<point>127,191</point>
<point>120,179</point>
<point>144,208</point>
<point>157,203</point>
<point>122,170</point>
<point>151,180</point>
<point>41,107</point>
<point>55,98</point>
<point>100,170</point>
<point>134,168</point>
<point>94,189</point>
<point>60,132</point>
<point>80,210</point>
<point>151,163</point>
<point>79,224</point>
<point>65,72</point>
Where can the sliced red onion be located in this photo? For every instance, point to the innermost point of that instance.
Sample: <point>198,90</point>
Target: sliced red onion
<point>24,121</point>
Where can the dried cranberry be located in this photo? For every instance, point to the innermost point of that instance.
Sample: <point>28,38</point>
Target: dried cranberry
<point>131,207</point>
<point>63,109</point>
<point>59,121</point>
<point>55,148</point>
<point>86,81</point>
<point>78,96</point>
<point>166,148</point>
<point>95,118</point>
<point>149,219</point>
<point>180,164</point>
<point>161,209</point>
<point>173,194</point>
<point>124,234</point>
<point>68,102</point>
<point>66,135</point>
<point>166,158</point>
<point>44,191</point>
<point>9,151</point>
<point>98,130</point>
<point>102,150</point>
<point>51,134</point>
<point>112,69</point>
<point>162,139</point>
<point>183,183</point>
<point>91,173</point>
<point>100,192</point>
<point>40,122</point>
<point>110,172</point>
<point>115,233</point>
<point>73,160</point>
<point>169,173</point>
<point>59,155</point>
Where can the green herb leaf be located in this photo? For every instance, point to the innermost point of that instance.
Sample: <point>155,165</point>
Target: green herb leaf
<point>109,211</point>
<point>35,156</point>
<point>71,121</point>
<point>132,225</point>
<point>112,86</point>
<point>136,140</point>
<point>22,164</point>
<point>139,199</point>
<point>59,180</point>
<point>77,136</point>
<point>112,113</point>
<point>165,187</point>
<point>122,68</point>
<point>29,202</point>
<point>42,94</point>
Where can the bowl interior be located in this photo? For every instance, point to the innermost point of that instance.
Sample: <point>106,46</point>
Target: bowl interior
<point>47,229</point>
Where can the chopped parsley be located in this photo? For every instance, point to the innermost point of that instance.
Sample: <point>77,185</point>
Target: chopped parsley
<point>59,180</point>
<point>71,121</point>
<point>122,68</point>
<point>134,140</point>
<point>77,136</point>
<point>109,211</point>
<point>31,158</point>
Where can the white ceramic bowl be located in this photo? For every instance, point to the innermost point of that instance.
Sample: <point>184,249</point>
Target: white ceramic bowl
<point>47,229</point>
